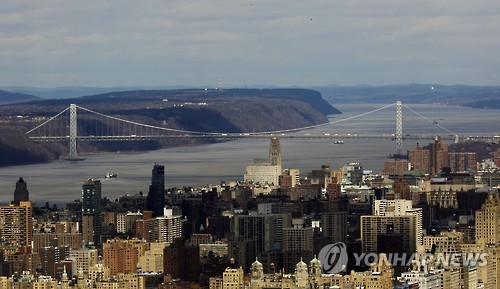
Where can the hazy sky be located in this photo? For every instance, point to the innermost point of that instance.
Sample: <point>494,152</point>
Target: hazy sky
<point>52,43</point>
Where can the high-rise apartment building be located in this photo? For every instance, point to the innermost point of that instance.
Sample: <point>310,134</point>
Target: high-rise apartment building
<point>395,167</point>
<point>84,259</point>
<point>297,246</point>
<point>289,178</point>
<point>152,260</point>
<point>334,226</point>
<point>333,189</point>
<point>16,224</point>
<point>267,170</point>
<point>265,229</point>
<point>181,261</point>
<point>462,161</point>
<point>383,233</point>
<point>21,193</point>
<point>91,211</point>
<point>122,256</point>
<point>125,222</point>
<point>72,240</point>
<point>400,207</point>
<point>488,239</point>
<point>156,195</point>
<point>420,159</point>
<point>166,228</point>
<point>429,160</point>
<point>488,222</point>
<point>438,155</point>
<point>262,172</point>
<point>49,256</point>
<point>396,207</point>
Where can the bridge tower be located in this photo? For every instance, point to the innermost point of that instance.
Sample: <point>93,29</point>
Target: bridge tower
<point>399,128</point>
<point>73,155</point>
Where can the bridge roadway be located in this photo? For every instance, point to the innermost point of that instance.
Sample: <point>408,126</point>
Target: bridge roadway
<point>235,136</point>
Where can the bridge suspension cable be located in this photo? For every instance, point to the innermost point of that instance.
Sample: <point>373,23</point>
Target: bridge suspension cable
<point>146,125</point>
<point>431,121</point>
<point>362,114</point>
<point>249,133</point>
<point>323,124</point>
<point>115,128</point>
<point>219,133</point>
<point>47,121</point>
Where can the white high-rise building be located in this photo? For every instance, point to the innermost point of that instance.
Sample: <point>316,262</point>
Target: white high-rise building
<point>262,172</point>
<point>397,207</point>
<point>266,171</point>
<point>400,207</point>
<point>169,227</point>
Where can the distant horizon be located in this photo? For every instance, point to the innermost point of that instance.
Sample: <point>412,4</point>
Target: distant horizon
<point>181,86</point>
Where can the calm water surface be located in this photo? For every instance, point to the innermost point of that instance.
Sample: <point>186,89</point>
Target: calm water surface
<point>60,182</point>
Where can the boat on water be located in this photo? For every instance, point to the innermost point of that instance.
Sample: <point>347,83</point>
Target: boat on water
<point>111,175</point>
<point>338,142</point>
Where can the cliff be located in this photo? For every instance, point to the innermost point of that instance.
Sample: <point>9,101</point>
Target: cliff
<point>252,110</point>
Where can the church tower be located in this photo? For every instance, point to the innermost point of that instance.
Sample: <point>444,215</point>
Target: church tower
<point>315,268</point>
<point>301,276</point>
<point>275,152</point>
<point>256,273</point>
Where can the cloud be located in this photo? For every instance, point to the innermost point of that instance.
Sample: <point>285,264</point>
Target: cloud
<point>430,24</point>
<point>94,39</point>
<point>21,40</point>
<point>284,42</point>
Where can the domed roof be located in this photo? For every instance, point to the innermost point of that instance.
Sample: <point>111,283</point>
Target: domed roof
<point>256,263</point>
<point>301,264</point>
<point>315,262</point>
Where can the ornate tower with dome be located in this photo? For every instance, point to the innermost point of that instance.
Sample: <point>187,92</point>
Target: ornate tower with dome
<point>301,275</point>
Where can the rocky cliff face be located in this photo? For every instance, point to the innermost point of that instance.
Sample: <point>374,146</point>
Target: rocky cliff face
<point>193,110</point>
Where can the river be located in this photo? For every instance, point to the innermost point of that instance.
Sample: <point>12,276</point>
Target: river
<point>60,181</point>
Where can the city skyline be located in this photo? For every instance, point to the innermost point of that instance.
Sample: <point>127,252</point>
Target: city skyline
<point>284,43</point>
<point>274,235</point>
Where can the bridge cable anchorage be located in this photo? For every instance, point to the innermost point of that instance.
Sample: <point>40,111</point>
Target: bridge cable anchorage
<point>435,123</point>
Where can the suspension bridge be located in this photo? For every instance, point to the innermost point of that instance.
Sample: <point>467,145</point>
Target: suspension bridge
<point>76,123</point>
